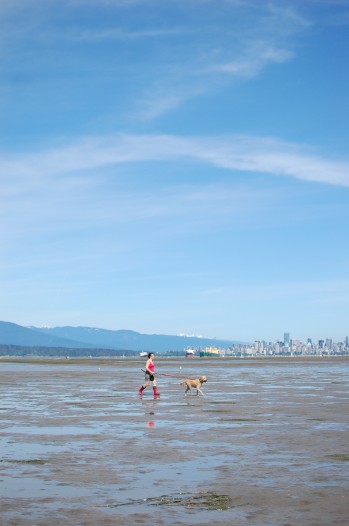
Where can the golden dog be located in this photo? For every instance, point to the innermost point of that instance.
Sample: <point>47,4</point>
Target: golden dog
<point>196,384</point>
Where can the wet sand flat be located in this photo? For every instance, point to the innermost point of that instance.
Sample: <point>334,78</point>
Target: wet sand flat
<point>268,444</point>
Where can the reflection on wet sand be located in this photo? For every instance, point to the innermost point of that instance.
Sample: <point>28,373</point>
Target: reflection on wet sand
<point>266,445</point>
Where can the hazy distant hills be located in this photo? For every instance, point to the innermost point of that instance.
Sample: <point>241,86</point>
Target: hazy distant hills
<point>13,334</point>
<point>89,337</point>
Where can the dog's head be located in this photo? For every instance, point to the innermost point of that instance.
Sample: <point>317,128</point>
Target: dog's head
<point>203,379</point>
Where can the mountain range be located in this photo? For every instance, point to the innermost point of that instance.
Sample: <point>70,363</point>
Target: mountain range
<point>94,338</point>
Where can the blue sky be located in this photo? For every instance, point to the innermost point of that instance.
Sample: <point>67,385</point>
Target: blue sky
<point>176,167</point>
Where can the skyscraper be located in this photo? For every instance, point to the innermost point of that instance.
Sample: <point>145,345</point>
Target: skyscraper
<point>286,339</point>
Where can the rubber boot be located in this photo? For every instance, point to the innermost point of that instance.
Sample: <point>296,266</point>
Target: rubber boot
<point>141,390</point>
<point>156,392</point>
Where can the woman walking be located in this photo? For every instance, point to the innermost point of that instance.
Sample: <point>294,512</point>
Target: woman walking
<point>149,375</point>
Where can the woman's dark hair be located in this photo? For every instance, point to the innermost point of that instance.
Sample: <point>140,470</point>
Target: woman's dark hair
<point>149,354</point>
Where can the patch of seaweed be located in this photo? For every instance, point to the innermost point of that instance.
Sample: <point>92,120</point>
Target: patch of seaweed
<point>339,456</point>
<point>208,501</point>
<point>36,461</point>
<point>200,500</point>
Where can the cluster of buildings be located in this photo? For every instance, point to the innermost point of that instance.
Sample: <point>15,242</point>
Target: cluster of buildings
<point>286,347</point>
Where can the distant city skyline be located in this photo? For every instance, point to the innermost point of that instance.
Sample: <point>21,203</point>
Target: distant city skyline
<point>176,167</point>
<point>287,340</point>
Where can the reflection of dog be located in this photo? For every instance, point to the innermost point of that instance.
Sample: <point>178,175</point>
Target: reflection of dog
<point>196,384</point>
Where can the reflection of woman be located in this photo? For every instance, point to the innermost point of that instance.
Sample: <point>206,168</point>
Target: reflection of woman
<point>149,375</point>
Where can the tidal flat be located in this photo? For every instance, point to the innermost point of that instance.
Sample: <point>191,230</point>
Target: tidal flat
<point>268,444</point>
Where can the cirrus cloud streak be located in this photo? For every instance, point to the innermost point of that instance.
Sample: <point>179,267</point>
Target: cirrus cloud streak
<point>234,152</point>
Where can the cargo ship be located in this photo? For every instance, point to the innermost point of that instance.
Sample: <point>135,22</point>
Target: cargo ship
<point>211,352</point>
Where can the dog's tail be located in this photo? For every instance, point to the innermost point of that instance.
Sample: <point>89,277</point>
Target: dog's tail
<point>183,383</point>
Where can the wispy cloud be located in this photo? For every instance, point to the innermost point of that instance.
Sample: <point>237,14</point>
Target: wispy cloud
<point>233,152</point>
<point>189,58</point>
<point>83,181</point>
<point>121,34</point>
<point>194,79</point>
<point>242,54</point>
<point>257,57</point>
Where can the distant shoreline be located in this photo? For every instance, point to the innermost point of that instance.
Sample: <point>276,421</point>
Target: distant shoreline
<point>110,360</point>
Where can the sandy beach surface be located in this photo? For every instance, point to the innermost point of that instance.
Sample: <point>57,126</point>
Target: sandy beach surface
<point>268,444</point>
